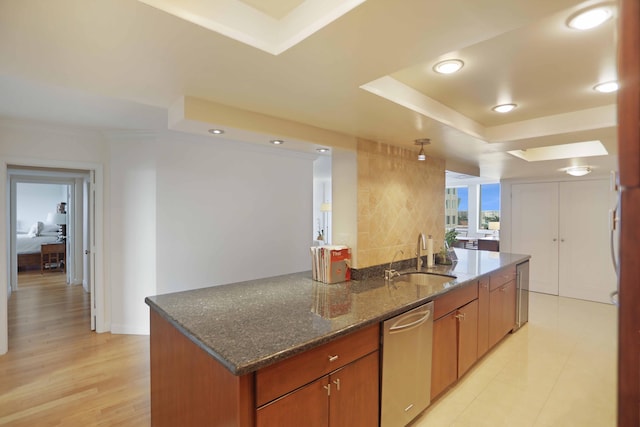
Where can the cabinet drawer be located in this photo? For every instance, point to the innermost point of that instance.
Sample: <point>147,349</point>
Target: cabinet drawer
<point>296,371</point>
<point>452,300</point>
<point>501,277</point>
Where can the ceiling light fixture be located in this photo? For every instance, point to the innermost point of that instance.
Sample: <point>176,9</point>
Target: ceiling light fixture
<point>590,18</point>
<point>606,87</point>
<point>322,150</point>
<point>216,131</point>
<point>449,66</point>
<point>578,170</point>
<point>421,142</point>
<point>277,141</point>
<point>504,108</point>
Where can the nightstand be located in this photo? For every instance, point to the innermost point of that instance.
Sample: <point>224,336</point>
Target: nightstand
<point>53,257</point>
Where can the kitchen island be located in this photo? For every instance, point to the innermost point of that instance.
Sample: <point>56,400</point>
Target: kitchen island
<point>221,355</point>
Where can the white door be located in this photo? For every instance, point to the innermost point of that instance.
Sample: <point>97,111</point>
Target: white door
<point>586,271</point>
<point>91,257</point>
<point>534,232</point>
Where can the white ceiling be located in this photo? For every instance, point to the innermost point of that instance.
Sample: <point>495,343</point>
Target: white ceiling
<point>352,67</point>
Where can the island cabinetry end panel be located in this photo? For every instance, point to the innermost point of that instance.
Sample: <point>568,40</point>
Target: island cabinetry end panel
<point>191,388</point>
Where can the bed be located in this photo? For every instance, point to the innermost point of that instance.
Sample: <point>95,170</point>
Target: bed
<point>28,245</point>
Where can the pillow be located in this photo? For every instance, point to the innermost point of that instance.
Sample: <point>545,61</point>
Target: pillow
<point>35,229</point>
<point>47,227</point>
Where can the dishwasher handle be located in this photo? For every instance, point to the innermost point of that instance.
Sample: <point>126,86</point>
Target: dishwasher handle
<point>425,315</point>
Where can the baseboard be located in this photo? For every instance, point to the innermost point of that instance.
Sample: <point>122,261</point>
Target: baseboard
<point>129,329</point>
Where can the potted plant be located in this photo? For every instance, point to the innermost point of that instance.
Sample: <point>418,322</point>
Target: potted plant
<point>442,257</point>
<point>450,237</point>
<point>447,254</point>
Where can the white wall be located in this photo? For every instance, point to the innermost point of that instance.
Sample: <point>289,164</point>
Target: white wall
<point>35,201</point>
<point>321,194</point>
<point>229,211</point>
<point>344,182</point>
<point>132,259</point>
<point>180,212</point>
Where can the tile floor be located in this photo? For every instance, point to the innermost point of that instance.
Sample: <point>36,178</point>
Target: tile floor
<point>558,370</point>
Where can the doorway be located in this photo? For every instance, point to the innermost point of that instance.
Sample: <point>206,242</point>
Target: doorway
<point>87,257</point>
<point>47,212</point>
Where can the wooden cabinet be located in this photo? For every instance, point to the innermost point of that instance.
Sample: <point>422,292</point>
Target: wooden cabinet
<point>444,370</point>
<point>502,312</point>
<point>467,318</point>
<point>455,339</point>
<point>354,393</point>
<point>629,161</point>
<point>308,405</point>
<point>334,385</point>
<point>346,397</point>
<point>483,316</point>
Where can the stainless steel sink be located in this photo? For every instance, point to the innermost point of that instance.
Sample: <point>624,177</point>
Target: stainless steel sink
<point>424,279</point>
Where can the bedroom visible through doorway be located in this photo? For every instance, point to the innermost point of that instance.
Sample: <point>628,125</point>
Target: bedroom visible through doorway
<point>41,228</point>
<point>49,219</point>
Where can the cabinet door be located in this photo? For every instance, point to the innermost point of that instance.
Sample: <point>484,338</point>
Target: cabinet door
<point>502,312</point>
<point>467,336</point>
<point>444,364</point>
<point>483,316</point>
<point>307,406</point>
<point>495,317</point>
<point>354,394</point>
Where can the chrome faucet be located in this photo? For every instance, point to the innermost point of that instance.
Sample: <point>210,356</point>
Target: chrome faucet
<point>418,250</point>
<point>391,273</point>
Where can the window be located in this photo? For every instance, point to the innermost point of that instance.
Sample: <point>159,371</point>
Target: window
<point>489,205</point>
<point>456,207</point>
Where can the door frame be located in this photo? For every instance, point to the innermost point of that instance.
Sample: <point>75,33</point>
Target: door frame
<point>102,307</point>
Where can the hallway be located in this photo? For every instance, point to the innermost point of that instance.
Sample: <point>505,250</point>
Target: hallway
<point>58,372</point>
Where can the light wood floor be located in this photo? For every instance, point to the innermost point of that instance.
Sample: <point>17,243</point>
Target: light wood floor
<point>59,373</point>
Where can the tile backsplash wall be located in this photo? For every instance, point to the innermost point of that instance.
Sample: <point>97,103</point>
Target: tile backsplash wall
<point>398,197</point>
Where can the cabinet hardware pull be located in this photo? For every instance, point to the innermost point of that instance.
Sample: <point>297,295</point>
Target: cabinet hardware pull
<point>328,388</point>
<point>408,408</point>
<point>337,383</point>
<point>333,358</point>
<point>459,316</point>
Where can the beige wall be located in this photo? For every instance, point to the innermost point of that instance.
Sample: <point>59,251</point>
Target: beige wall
<point>398,198</point>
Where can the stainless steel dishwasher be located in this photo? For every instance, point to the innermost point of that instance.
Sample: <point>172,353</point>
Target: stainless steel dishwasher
<point>406,365</point>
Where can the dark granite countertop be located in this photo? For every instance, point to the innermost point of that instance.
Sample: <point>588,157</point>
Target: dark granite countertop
<point>253,324</point>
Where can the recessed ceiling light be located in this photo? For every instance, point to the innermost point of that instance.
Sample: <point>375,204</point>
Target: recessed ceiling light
<point>216,131</point>
<point>277,141</point>
<point>606,87</point>
<point>504,108</point>
<point>578,170</point>
<point>449,66</point>
<point>590,18</point>
<point>322,150</point>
